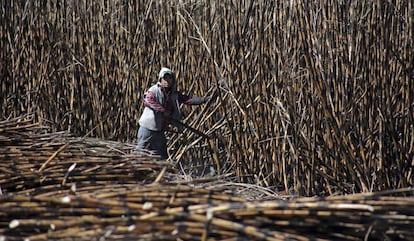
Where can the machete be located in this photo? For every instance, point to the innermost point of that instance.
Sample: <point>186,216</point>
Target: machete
<point>177,122</point>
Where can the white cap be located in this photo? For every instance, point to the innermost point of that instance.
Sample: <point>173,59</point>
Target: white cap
<point>164,71</point>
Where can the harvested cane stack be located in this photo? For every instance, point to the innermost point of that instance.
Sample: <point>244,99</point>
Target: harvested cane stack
<point>163,212</point>
<point>34,160</point>
<point>58,187</point>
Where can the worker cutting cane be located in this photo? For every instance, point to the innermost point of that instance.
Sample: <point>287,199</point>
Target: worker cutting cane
<point>161,106</point>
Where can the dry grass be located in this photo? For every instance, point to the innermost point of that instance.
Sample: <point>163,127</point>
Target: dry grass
<point>313,97</point>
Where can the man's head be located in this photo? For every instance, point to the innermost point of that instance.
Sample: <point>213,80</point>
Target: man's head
<point>166,77</point>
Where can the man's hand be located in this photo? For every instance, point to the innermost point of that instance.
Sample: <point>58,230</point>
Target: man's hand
<point>167,119</point>
<point>167,114</point>
<point>206,99</point>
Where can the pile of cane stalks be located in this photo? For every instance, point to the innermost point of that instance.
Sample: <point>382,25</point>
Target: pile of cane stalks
<point>58,187</point>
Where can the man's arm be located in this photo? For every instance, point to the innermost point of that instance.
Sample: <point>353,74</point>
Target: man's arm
<point>186,99</point>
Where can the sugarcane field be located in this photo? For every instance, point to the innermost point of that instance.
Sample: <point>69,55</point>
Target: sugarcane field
<point>206,120</point>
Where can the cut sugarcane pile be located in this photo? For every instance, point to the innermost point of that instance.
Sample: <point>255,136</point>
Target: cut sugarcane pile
<point>58,187</point>
<point>33,159</point>
<point>164,212</point>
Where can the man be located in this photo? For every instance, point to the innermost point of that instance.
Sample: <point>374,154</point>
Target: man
<point>161,104</point>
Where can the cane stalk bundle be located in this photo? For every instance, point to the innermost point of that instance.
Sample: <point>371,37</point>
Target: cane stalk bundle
<point>34,160</point>
<point>162,211</point>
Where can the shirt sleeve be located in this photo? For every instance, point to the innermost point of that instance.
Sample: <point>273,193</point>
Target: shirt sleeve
<point>191,100</point>
<point>149,101</point>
